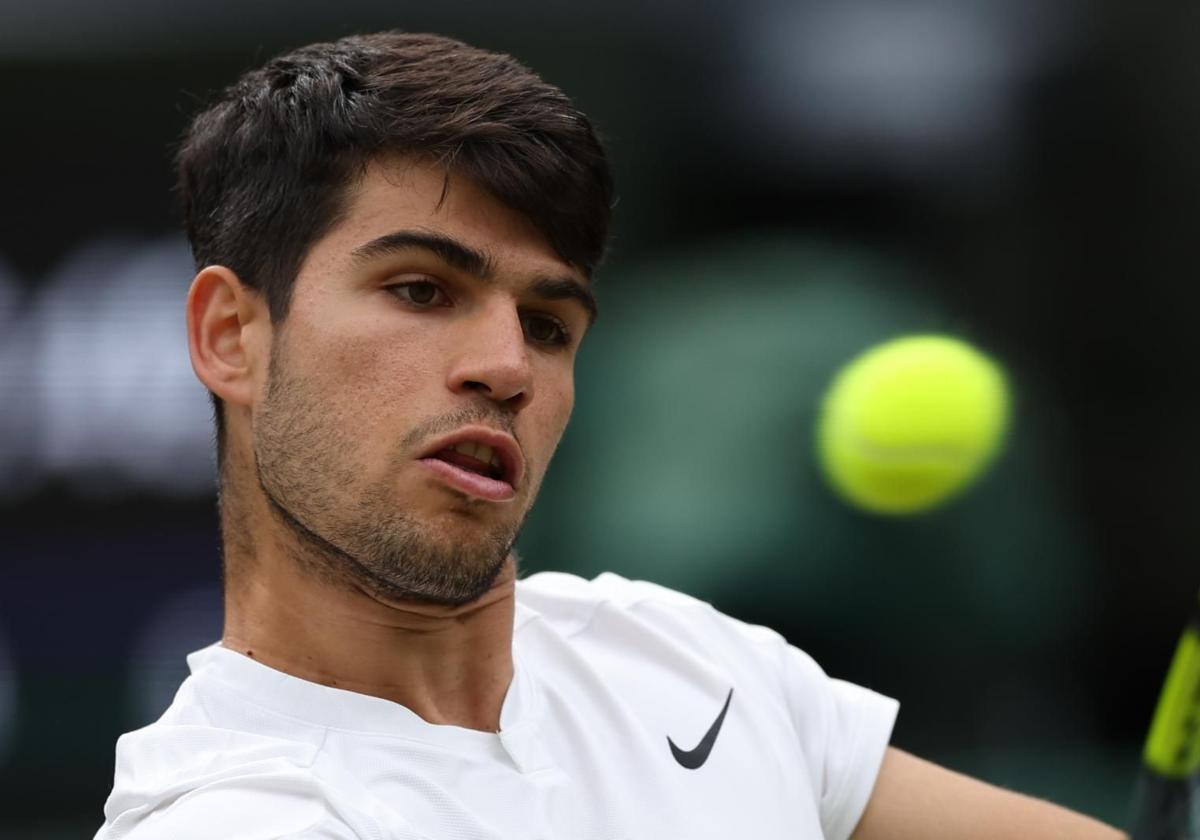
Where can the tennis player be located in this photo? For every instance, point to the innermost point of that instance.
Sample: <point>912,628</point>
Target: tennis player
<point>395,237</point>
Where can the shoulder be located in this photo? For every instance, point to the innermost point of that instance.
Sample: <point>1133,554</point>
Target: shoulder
<point>267,810</point>
<point>648,640</point>
<point>635,627</point>
<point>648,621</point>
<point>557,587</point>
<point>573,603</point>
<point>174,780</point>
<point>185,781</point>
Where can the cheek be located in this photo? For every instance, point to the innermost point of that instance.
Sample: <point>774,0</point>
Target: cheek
<point>566,400</point>
<point>558,399</point>
<point>376,377</point>
<point>368,352</point>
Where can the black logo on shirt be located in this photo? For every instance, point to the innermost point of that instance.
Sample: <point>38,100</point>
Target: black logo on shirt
<point>693,758</point>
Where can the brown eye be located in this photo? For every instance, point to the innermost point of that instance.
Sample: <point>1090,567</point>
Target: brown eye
<point>420,293</point>
<point>544,330</point>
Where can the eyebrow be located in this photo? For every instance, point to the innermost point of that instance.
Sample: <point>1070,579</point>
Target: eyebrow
<point>447,249</point>
<point>471,261</point>
<point>568,288</point>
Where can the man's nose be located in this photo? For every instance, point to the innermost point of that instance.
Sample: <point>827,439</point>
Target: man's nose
<point>492,357</point>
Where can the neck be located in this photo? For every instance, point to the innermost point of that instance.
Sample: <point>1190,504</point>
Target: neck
<point>449,665</point>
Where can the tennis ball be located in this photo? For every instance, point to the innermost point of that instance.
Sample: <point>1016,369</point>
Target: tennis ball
<point>911,422</point>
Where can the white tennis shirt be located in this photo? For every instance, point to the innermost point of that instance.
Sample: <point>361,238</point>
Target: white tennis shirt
<point>613,678</point>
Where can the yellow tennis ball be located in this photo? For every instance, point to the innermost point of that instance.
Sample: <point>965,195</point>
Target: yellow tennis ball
<point>911,422</point>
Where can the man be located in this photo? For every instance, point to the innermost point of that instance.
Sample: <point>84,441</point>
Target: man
<point>395,237</point>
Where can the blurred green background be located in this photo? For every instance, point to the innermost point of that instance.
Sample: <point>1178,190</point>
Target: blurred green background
<point>798,181</point>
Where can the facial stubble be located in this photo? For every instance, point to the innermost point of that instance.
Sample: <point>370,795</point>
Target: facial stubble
<point>357,534</point>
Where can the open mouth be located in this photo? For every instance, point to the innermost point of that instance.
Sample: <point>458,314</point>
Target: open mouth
<point>473,457</point>
<point>479,461</point>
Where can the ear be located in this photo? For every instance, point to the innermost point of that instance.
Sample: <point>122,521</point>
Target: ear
<point>229,333</point>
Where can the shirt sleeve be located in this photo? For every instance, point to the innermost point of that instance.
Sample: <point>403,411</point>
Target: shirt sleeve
<point>844,730</point>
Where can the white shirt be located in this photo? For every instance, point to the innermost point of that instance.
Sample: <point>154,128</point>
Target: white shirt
<point>604,673</point>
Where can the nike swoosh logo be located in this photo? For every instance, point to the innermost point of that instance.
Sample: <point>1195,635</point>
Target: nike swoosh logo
<point>693,758</point>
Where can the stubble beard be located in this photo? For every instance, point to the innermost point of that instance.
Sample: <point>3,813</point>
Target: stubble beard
<point>354,534</point>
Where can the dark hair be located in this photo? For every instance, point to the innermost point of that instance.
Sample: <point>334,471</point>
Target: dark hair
<point>264,173</point>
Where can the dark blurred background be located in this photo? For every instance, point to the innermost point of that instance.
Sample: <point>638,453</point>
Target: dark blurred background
<point>798,180</point>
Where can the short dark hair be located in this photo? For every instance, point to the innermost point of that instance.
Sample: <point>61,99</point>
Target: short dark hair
<point>265,171</point>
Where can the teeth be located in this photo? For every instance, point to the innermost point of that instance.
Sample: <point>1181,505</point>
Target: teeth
<point>479,451</point>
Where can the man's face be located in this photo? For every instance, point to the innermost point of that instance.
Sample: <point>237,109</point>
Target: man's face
<point>419,385</point>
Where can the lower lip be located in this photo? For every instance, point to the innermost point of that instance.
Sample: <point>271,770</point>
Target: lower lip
<point>473,484</point>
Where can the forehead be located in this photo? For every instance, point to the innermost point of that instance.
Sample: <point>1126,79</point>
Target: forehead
<point>408,194</point>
